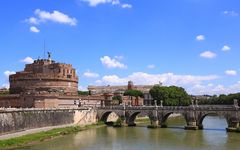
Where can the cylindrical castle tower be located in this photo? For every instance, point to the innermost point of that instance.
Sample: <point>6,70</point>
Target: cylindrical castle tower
<point>45,75</point>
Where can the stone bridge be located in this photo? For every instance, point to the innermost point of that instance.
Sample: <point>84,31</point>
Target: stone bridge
<point>158,115</point>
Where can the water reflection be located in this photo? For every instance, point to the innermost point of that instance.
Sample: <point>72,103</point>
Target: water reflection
<point>142,138</point>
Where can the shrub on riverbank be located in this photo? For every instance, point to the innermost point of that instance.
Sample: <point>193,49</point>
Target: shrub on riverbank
<point>238,130</point>
<point>118,123</point>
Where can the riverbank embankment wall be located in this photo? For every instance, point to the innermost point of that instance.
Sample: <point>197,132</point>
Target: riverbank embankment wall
<point>14,120</point>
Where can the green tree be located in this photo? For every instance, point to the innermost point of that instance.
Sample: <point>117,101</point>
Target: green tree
<point>222,99</point>
<point>83,93</point>
<point>135,93</point>
<point>171,96</point>
<point>118,99</point>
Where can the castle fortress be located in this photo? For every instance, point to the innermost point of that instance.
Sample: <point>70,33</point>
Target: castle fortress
<point>44,83</point>
<point>44,75</point>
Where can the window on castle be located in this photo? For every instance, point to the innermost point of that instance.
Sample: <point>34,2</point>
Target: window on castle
<point>69,76</point>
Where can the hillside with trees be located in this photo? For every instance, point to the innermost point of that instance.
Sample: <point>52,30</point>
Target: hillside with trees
<point>220,100</point>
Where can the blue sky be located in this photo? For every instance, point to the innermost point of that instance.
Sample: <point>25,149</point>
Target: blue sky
<point>189,43</point>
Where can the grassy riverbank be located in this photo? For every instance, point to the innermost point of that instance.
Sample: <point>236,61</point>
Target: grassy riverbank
<point>43,136</point>
<point>142,120</point>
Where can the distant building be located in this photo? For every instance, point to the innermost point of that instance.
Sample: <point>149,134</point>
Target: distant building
<point>92,101</point>
<point>4,91</point>
<point>119,90</point>
<point>44,83</point>
<point>95,90</point>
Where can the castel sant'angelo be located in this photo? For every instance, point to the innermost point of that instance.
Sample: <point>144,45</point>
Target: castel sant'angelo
<point>45,75</point>
<point>44,83</point>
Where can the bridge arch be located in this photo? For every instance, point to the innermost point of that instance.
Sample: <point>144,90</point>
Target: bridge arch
<point>165,117</point>
<point>203,116</point>
<point>133,115</point>
<point>103,116</point>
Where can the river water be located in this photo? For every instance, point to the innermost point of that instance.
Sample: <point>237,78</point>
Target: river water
<point>213,137</point>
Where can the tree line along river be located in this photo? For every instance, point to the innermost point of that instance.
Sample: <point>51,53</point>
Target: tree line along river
<point>213,137</point>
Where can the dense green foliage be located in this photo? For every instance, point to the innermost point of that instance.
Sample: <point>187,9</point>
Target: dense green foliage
<point>83,93</point>
<point>118,123</point>
<point>171,96</point>
<point>220,100</point>
<point>117,99</point>
<point>135,93</point>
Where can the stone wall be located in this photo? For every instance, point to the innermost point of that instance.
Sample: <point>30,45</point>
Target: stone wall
<point>10,101</point>
<point>85,117</point>
<point>14,120</point>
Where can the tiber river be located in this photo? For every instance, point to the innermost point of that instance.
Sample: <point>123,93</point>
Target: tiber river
<point>213,137</point>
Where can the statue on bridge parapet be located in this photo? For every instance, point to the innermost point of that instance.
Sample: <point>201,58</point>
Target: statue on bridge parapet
<point>235,103</point>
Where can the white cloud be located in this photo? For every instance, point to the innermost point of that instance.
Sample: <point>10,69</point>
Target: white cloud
<point>8,73</point>
<point>82,88</point>
<point>193,84</point>
<point>34,29</point>
<point>149,79</point>
<point>32,20</point>
<point>226,48</point>
<point>112,63</point>
<point>119,57</point>
<point>115,2</point>
<point>94,3</point>
<point>27,60</point>
<point>151,66</point>
<point>89,74</point>
<point>55,16</point>
<point>5,85</point>
<point>231,13</point>
<point>231,72</point>
<point>126,6</point>
<point>98,82</point>
<point>208,54</point>
<point>210,89</point>
<point>200,38</point>
<point>200,89</point>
